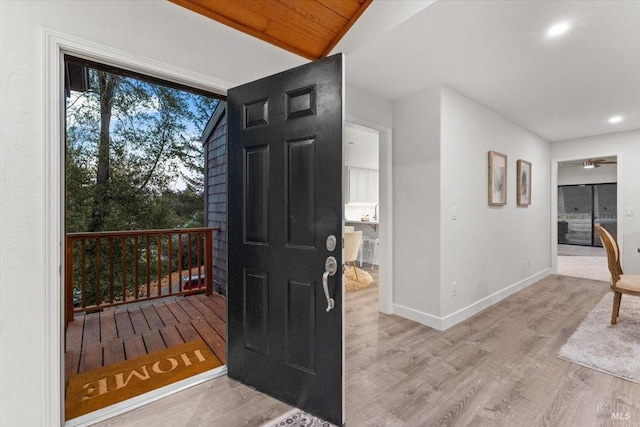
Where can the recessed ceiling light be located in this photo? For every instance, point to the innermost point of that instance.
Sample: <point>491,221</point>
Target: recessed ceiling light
<point>558,29</point>
<point>615,119</point>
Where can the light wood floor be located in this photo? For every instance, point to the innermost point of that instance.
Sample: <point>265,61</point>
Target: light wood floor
<point>498,368</point>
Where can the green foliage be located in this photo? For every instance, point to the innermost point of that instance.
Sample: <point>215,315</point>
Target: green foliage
<point>127,179</point>
<point>154,143</point>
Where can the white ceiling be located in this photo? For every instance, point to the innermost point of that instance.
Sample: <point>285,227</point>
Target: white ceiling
<point>497,53</point>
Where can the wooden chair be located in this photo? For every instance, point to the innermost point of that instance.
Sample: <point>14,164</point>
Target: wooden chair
<point>620,283</point>
<point>352,242</point>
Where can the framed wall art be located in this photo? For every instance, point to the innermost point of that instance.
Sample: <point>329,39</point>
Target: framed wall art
<point>497,179</point>
<point>524,183</point>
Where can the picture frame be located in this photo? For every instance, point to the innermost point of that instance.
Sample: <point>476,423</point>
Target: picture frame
<point>497,179</point>
<point>524,183</point>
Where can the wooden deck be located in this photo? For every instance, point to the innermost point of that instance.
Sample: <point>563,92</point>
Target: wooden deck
<point>117,334</point>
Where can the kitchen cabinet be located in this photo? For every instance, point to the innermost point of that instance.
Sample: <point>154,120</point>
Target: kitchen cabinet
<point>363,185</point>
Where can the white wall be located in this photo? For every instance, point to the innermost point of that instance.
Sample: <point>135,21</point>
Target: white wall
<point>159,31</point>
<point>490,252</point>
<point>366,109</point>
<point>441,141</point>
<point>361,146</point>
<point>576,174</point>
<point>627,146</point>
<point>416,194</point>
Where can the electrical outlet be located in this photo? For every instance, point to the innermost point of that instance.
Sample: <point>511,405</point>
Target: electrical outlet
<point>454,289</point>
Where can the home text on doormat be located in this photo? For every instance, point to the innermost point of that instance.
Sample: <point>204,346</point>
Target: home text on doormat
<point>115,383</point>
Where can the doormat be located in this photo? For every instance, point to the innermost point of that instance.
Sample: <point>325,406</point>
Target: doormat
<point>612,349</point>
<point>97,389</point>
<point>298,418</point>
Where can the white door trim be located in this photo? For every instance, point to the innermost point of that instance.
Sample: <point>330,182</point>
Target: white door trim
<point>385,156</point>
<point>57,44</point>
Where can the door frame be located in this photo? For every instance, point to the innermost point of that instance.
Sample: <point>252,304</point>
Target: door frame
<point>554,202</point>
<point>55,46</point>
<point>385,165</point>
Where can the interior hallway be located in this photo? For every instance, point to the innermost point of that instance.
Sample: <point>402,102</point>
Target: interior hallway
<point>497,368</point>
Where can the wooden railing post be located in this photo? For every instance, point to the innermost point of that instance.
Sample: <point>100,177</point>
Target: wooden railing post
<point>68,272</point>
<point>208,261</point>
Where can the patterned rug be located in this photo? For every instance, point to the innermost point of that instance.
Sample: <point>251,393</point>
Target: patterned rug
<point>612,349</point>
<point>298,418</point>
<point>352,283</point>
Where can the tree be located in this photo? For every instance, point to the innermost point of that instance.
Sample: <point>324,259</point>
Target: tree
<point>106,84</point>
<point>129,144</point>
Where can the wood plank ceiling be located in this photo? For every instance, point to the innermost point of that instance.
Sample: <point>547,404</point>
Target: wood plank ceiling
<point>309,28</point>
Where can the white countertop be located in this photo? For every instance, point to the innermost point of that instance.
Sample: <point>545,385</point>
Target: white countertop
<point>359,221</point>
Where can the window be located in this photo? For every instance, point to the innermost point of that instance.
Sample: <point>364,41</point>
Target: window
<point>582,206</point>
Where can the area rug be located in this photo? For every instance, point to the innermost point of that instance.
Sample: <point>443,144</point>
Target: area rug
<point>351,283</point>
<point>297,418</point>
<point>115,383</point>
<point>612,349</point>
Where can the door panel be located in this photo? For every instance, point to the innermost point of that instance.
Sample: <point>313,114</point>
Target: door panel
<point>256,195</point>
<point>285,199</point>
<point>255,311</point>
<point>300,326</point>
<point>301,202</point>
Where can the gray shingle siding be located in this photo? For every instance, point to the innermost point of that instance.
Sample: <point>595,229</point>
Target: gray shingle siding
<point>215,145</point>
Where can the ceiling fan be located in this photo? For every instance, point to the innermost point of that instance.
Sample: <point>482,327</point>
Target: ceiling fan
<point>592,163</point>
<point>596,163</point>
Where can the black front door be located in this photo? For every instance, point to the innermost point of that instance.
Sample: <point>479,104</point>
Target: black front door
<point>285,201</point>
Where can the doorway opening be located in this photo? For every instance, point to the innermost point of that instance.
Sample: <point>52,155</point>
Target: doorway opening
<point>139,283</point>
<point>587,195</point>
<point>362,207</point>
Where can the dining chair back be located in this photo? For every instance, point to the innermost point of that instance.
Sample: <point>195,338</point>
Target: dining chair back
<point>620,283</point>
<point>352,242</point>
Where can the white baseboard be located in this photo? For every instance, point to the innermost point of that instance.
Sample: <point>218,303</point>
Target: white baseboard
<point>443,323</point>
<point>468,311</point>
<point>426,319</point>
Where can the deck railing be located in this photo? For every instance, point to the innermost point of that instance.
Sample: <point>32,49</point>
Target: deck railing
<point>111,268</point>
